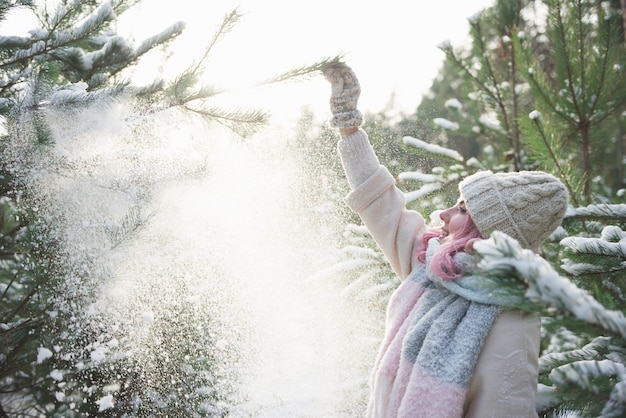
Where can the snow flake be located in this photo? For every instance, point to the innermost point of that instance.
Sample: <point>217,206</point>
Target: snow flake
<point>59,396</point>
<point>106,402</point>
<point>99,354</point>
<point>535,114</point>
<point>114,387</point>
<point>56,375</point>
<point>148,317</point>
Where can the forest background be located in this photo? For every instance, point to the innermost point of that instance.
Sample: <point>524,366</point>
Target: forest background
<point>112,292</point>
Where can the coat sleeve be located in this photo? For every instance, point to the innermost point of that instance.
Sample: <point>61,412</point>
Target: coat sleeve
<point>380,204</point>
<point>504,383</point>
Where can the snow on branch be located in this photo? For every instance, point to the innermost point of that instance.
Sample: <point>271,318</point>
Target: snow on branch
<point>446,124</point>
<point>7,42</point>
<point>34,49</point>
<point>611,246</point>
<point>432,148</point>
<point>418,175</point>
<point>90,58</point>
<point>104,13</point>
<point>588,352</point>
<point>503,257</point>
<point>423,191</point>
<point>165,35</point>
<point>602,211</point>
<point>490,123</point>
<point>585,373</point>
<point>596,246</point>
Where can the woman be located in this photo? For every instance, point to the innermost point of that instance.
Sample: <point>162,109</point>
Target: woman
<point>453,347</point>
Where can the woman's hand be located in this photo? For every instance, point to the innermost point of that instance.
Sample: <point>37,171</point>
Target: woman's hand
<point>345,92</point>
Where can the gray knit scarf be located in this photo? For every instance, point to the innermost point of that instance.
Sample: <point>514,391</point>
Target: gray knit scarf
<point>428,366</point>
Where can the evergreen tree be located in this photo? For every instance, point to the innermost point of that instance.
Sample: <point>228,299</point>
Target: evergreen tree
<point>59,355</point>
<point>556,90</point>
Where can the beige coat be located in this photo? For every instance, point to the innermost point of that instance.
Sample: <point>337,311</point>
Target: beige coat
<point>504,382</point>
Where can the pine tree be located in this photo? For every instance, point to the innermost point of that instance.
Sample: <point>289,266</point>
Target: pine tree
<point>556,89</point>
<point>59,356</point>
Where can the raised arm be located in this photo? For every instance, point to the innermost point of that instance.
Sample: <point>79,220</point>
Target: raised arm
<point>374,195</point>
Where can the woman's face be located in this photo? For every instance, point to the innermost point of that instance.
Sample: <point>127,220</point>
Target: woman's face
<point>454,218</point>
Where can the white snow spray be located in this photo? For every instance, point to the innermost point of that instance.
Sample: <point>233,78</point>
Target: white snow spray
<point>200,252</point>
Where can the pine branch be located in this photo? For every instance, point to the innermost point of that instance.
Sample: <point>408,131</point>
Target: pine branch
<point>433,150</point>
<point>103,14</point>
<point>304,71</point>
<point>502,256</point>
<point>562,37</point>
<point>591,351</point>
<point>554,159</point>
<point>599,212</point>
<point>583,373</point>
<point>598,93</point>
<point>242,122</point>
<point>160,38</point>
<point>496,94</point>
<point>601,256</point>
<point>228,23</point>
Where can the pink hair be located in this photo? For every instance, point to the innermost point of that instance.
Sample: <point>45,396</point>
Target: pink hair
<point>442,263</point>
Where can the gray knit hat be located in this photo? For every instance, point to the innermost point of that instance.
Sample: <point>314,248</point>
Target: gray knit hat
<point>527,205</point>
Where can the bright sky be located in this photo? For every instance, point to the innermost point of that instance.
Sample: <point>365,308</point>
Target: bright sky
<point>391,45</point>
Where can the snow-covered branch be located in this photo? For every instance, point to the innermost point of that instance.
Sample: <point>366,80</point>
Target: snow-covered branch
<point>103,14</point>
<point>432,148</point>
<point>602,211</point>
<point>161,37</point>
<point>502,256</point>
<point>588,352</point>
<point>610,246</point>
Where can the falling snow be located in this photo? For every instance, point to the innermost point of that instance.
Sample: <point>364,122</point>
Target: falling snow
<point>204,296</point>
<point>106,402</point>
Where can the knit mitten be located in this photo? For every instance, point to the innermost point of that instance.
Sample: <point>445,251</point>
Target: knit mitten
<point>344,97</point>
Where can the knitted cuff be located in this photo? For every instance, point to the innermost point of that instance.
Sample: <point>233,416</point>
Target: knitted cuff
<point>351,119</point>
